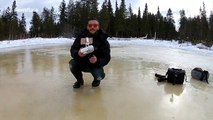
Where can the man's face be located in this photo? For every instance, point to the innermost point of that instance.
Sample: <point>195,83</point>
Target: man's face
<point>93,26</point>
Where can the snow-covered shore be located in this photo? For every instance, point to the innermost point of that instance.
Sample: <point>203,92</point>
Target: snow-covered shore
<point>115,42</point>
<point>33,42</point>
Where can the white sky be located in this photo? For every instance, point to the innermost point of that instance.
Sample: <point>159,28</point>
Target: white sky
<point>191,7</point>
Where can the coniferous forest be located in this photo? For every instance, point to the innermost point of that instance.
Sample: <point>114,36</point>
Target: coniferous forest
<point>117,22</point>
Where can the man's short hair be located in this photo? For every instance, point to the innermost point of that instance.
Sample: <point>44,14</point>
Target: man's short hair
<point>92,18</point>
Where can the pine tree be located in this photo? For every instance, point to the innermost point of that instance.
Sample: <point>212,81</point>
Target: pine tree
<point>183,26</point>
<point>110,28</point>
<point>7,14</point>
<point>6,20</point>
<point>85,9</point>
<point>123,9</point>
<point>170,27</point>
<point>14,14</point>
<point>22,27</point>
<point>139,23</point>
<point>159,25</point>
<point>117,20</point>
<point>128,26</point>
<point>62,24</point>
<point>93,8</point>
<point>194,29</point>
<point>145,21</point>
<point>152,26</point>
<point>120,16</point>
<point>103,16</point>
<point>123,13</point>
<point>14,22</point>
<point>35,29</point>
<point>63,13</point>
<point>210,35</point>
<point>48,23</point>
<point>72,18</point>
<point>204,25</point>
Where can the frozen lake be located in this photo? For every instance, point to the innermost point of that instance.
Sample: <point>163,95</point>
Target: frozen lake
<point>36,84</point>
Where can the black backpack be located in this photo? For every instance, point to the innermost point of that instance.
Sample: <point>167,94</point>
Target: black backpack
<point>173,75</point>
<point>199,74</point>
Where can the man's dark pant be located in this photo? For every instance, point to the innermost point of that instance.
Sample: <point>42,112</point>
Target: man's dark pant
<point>76,68</point>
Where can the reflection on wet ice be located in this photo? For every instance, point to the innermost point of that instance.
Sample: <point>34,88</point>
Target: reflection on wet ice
<point>88,104</point>
<point>37,84</point>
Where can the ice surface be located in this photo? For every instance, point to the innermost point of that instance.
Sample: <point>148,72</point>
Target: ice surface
<point>36,84</point>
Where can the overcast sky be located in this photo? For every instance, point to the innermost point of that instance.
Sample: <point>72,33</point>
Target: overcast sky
<point>191,7</point>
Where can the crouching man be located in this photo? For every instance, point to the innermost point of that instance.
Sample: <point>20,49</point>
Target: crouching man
<point>90,52</point>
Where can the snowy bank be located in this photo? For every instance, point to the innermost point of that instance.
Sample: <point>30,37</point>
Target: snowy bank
<point>32,42</point>
<point>160,43</point>
<point>114,42</point>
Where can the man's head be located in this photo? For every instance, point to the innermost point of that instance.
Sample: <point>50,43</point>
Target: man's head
<point>93,25</point>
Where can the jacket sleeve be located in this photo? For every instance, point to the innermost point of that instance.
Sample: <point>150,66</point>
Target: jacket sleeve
<point>104,51</point>
<point>105,56</point>
<point>75,48</point>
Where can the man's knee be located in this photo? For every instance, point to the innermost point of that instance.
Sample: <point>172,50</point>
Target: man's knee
<point>102,76</point>
<point>73,65</point>
<point>98,74</point>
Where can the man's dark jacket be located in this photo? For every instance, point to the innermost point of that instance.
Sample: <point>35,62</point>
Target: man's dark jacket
<point>101,49</point>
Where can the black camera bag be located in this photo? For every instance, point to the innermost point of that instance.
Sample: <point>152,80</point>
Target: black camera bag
<point>175,76</point>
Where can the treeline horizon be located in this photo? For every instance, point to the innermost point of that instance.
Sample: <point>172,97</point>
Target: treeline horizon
<point>121,22</point>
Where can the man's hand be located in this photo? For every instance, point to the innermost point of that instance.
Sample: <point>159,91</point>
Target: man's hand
<point>93,59</point>
<point>81,54</point>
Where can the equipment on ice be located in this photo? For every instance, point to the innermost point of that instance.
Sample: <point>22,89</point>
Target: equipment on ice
<point>199,74</point>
